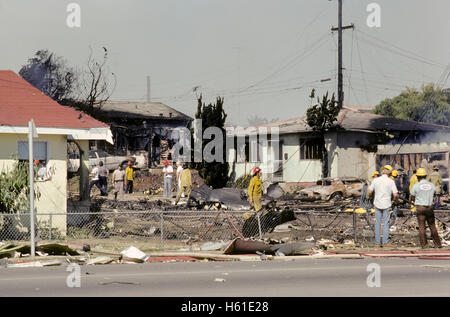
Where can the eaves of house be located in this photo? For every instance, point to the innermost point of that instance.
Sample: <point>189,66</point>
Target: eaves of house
<point>20,102</point>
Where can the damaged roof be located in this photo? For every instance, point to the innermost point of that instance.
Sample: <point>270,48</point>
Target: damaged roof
<point>150,110</point>
<point>20,102</point>
<point>351,120</point>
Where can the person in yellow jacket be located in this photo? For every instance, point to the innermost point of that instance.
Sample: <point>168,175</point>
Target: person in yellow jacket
<point>394,175</point>
<point>129,178</point>
<point>413,180</point>
<point>255,189</point>
<point>436,179</point>
<point>185,182</point>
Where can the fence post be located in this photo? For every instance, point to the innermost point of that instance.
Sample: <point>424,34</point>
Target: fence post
<point>259,225</point>
<point>354,225</point>
<point>50,225</point>
<point>162,230</point>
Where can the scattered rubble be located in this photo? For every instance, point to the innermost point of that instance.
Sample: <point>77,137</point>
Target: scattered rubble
<point>100,260</point>
<point>134,253</point>
<point>269,219</point>
<point>221,280</point>
<point>213,246</point>
<point>239,246</point>
<point>15,251</point>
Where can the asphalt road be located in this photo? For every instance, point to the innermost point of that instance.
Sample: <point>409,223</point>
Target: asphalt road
<point>319,277</point>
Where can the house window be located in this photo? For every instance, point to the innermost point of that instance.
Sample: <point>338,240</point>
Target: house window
<point>39,149</point>
<point>311,148</point>
<point>39,154</point>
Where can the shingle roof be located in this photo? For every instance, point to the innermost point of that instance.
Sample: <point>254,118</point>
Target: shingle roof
<point>20,102</point>
<point>134,109</point>
<point>351,120</point>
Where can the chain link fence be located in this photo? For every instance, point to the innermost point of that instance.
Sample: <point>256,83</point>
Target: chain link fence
<point>158,227</point>
<point>175,229</point>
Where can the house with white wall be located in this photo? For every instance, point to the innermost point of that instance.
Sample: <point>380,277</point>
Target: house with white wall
<point>56,125</point>
<point>360,142</point>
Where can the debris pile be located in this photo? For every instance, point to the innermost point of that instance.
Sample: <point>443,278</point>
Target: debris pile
<point>240,246</point>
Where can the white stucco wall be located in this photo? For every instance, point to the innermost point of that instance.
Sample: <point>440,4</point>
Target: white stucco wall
<point>352,161</point>
<point>294,169</point>
<point>52,193</point>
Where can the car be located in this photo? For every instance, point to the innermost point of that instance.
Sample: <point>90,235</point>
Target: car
<point>333,189</point>
<point>73,163</point>
<point>110,161</point>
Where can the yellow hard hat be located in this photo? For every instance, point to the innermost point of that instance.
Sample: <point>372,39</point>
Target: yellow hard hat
<point>421,172</point>
<point>388,167</point>
<point>375,173</point>
<point>394,173</point>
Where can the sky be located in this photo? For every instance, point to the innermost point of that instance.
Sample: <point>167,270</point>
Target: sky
<point>263,56</point>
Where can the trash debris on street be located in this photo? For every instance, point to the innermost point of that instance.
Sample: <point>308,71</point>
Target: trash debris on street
<point>239,246</point>
<point>100,260</point>
<point>220,280</point>
<point>134,253</point>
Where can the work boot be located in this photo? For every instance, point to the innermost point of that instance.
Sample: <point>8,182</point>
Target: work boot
<point>388,245</point>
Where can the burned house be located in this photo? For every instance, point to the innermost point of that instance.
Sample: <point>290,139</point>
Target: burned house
<point>143,128</point>
<point>359,143</point>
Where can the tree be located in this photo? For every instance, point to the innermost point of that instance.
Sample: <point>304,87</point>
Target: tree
<point>214,173</point>
<point>321,118</point>
<point>86,89</point>
<point>50,74</point>
<point>96,84</point>
<point>430,104</point>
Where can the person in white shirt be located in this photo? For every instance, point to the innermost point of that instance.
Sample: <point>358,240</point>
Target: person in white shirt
<point>422,194</point>
<point>118,180</point>
<point>168,172</point>
<point>384,188</point>
<point>95,180</point>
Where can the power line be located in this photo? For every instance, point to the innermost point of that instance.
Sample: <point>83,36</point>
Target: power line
<point>306,52</point>
<point>362,69</point>
<point>391,47</point>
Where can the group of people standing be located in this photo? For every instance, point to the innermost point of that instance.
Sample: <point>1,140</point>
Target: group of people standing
<point>122,180</point>
<point>183,177</point>
<point>423,194</point>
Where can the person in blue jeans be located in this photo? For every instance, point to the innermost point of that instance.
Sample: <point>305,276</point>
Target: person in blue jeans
<point>383,189</point>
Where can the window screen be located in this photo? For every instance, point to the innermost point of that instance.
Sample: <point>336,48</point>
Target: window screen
<point>39,149</point>
<point>311,149</point>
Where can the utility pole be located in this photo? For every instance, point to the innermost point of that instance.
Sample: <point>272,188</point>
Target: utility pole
<point>340,28</point>
<point>32,134</point>
<point>148,89</point>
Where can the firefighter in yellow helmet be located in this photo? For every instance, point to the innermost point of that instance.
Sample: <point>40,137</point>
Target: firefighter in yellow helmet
<point>412,181</point>
<point>422,195</point>
<point>436,179</point>
<point>394,175</point>
<point>255,189</point>
<point>375,174</point>
<point>387,167</point>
